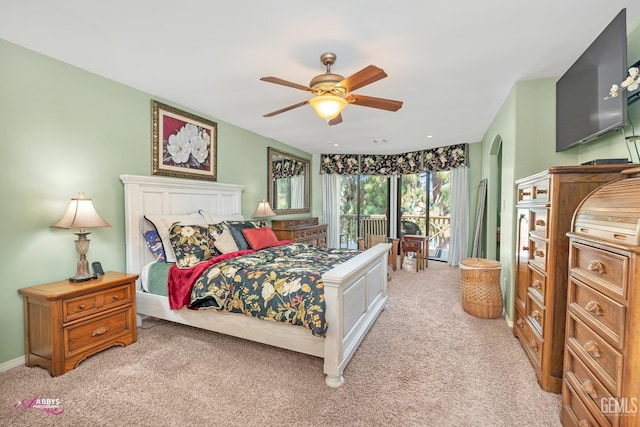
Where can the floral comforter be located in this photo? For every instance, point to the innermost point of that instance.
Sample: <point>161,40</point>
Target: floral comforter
<point>282,283</point>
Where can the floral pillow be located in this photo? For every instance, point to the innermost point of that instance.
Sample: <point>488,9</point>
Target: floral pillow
<point>192,244</point>
<point>155,244</point>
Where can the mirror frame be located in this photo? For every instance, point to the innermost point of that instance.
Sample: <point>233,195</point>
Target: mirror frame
<point>270,183</point>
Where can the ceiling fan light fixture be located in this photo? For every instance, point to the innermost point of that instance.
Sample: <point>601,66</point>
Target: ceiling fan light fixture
<point>328,106</point>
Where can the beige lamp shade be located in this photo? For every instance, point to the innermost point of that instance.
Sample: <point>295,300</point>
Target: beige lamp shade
<point>264,210</point>
<point>81,214</point>
<point>328,106</point>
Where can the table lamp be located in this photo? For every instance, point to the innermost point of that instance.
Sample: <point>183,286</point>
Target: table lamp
<point>81,215</point>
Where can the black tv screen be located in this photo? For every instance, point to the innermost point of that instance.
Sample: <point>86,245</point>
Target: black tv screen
<point>582,113</point>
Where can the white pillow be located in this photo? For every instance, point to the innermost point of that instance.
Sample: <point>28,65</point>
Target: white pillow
<point>212,218</point>
<point>225,242</point>
<point>163,223</point>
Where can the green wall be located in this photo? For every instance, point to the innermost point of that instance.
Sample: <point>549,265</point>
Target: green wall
<point>63,131</point>
<point>524,129</point>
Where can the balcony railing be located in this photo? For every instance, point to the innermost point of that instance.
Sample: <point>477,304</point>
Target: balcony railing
<point>439,229</point>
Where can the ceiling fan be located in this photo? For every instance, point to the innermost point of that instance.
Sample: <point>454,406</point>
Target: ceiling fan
<point>332,92</point>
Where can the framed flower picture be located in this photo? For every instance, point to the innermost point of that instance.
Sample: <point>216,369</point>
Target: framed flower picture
<point>183,144</point>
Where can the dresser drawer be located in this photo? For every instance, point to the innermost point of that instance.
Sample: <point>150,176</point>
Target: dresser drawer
<point>574,411</point>
<point>538,191</point>
<point>79,307</point>
<point>601,313</point>
<point>598,355</point>
<point>539,221</point>
<point>538,253</point>
<point>606,271</point>
<point>98,331</point>
<point>530,341</point>
<point>535,313</point>
<point>588,387</point>
<point>537,284</point>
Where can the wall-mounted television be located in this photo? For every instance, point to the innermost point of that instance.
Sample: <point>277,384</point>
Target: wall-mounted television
<point>582,113</point>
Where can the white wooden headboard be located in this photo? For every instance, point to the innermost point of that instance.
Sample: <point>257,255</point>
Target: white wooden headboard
<point>169,196</point>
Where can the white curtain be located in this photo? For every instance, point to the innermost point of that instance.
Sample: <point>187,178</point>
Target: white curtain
<point>459,237</point>
<point>331,208</point>
<point>297,191</point>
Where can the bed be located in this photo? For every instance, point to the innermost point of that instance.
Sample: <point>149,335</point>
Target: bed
<point>355,291</point>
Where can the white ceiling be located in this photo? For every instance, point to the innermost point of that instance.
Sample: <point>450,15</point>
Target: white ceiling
<point>451,62</point>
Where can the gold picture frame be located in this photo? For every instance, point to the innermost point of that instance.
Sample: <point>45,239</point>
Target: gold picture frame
<point>183,144</point>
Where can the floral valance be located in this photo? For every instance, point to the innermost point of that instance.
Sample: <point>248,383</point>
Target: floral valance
<point>435,159</point>
<point>287,168</point>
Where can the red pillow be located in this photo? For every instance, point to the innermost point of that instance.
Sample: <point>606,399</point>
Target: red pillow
<point>260,238</point>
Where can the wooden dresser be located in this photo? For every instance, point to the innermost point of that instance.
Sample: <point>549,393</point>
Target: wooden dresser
<point>601,384</point>
<point>67,322</point>
<point>546,202</point>
<point>305,230</point>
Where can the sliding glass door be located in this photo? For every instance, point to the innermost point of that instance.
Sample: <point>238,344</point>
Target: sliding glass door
<point>361,197</point>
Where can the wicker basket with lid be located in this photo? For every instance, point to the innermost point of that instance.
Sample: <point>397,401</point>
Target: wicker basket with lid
<point>480,291</point>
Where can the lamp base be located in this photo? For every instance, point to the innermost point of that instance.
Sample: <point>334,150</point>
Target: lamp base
<point>82,279</point>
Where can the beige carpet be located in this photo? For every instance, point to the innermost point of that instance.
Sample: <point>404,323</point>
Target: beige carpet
<point>425,363</point>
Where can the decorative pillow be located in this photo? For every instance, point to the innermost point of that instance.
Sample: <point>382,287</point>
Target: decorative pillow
<point>155,244</point>
<point>260,238</point>
<point>224,242</point>
<point>192,244</point>
<point>236,227</point>
<point>162,223</point>
<point>212,218</point>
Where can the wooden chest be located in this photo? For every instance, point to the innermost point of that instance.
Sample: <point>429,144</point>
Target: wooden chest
<point>546,203</point>
<point>601,385</point>
<point>304,230</point>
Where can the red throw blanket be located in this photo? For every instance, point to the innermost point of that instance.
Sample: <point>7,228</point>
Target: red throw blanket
<point>181,280</point>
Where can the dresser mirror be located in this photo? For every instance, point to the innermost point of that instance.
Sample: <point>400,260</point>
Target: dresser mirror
<point>288,182</point>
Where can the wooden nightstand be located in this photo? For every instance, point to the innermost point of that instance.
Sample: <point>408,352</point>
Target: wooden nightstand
<point>64,323</point>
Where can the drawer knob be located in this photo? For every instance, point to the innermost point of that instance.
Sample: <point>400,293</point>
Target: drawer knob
<point>539,253</point>
<point>536,315</point>
<point>115,297</point>
<point>593,308</point>
<point>592,348</point>
<point>81,306</point>
<point>525,248</point>
<point>584,423</point>
<point>540,222</point>
<point>596,266</point>
<point>520,323</point>
<point>100,331</point>
<point>533,344</point>
<point>536,284</point>
<point>590,389</point>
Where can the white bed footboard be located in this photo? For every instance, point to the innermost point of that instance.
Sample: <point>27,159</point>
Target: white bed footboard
<point>355,294</point>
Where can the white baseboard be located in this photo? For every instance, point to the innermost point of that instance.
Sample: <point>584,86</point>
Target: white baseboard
<point>13,363</point>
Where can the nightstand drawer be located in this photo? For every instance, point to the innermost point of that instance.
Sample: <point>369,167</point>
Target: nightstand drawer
<point>79,307</point>
<point>98,331</point>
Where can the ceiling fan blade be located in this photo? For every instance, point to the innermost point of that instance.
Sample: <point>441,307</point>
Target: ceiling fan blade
<point>336,120</point>
<point>380,103</point>
<point>282,110</point>
<point>362,78</point>
<point>285,83</point>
